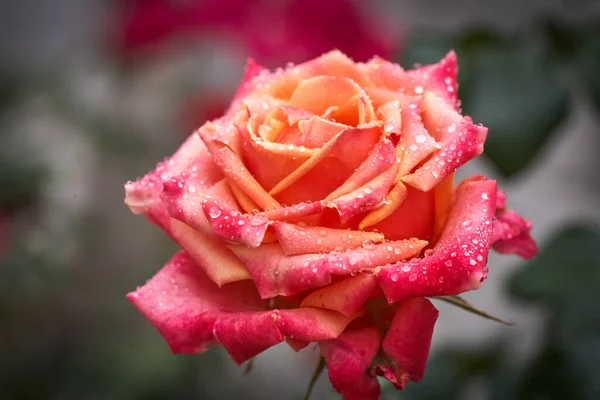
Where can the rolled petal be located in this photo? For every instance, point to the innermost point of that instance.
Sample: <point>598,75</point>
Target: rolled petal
<point>328,167</point>
<point>365,198</point>
<point>233,168</point>
<point>316,131</point>
<point>348,359</point>
<point>393,200</point>
<point>297,212</point>
<point>461,141</point>
<point>296,239</point>
<point>408,340</point>
<point>275,274</point>
<point>380,159</point>
<point>183,199</point>
<point>232,225</point>
<point>270,162</point>
<point>458,263</point>
<point>347,296</point>
<point>511,235</point>
<point>415,143</point>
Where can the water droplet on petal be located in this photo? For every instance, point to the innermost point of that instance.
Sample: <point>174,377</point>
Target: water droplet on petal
<point>214,212</point>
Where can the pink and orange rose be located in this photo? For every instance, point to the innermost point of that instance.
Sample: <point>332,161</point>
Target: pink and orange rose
<point>322,208</point>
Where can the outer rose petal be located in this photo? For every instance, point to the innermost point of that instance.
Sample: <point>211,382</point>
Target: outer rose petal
<point>192,313</point>
<point>348,359</point>
<point>248,83</point>
<point>440,78</point>
<point>511,235</point>
<point>183,304</point>
<point>408,340</point>
<point>460,256</point>
<point>461,141</point>
<point>275,274</point>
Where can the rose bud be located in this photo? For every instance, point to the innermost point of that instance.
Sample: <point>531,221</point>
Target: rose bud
<point>322,208</point>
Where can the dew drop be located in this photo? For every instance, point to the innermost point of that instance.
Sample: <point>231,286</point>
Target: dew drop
<point>214,212</point>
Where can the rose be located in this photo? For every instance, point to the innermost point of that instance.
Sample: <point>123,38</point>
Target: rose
<point>298,210</point>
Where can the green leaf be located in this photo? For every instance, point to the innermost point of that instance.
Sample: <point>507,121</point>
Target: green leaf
<point>465,305</point>
<point>568,265</point>
<point>508,83</point>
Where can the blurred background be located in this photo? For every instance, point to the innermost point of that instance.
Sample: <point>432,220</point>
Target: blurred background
<point>93,93</point>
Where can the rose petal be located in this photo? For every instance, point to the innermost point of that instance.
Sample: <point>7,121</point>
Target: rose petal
<point>275,274</point>
<point>511,235</point>
<point>460,255</point>
<point>321,92</point>
<point>413,218</point>
<point>233,168</point>
<point>143,194</point>
<point>283,83</point>
<point>248,334</point>
<point>215,259</point>
<point>380,159</point>
<point>415,142</point>
<point>443,197</point>
<point>232,225</point>
<point>440,78</point>
<point>183,304</point>
<point>392,201</point>
<point>348,359</point>
<point>316,131</point>
<point>296,239</point>
<point>191,313</point>
<point>294,213</point>
<point>461,142</point>
<point>408,340</point>
<point>248,84</point>
<point>346,297</point>
<point>270,162</point>
<point>365,198</point>
<point>329,166</point>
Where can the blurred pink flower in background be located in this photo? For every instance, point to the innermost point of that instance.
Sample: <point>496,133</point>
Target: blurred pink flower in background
<point>270,31</point>
<point>273,32</point>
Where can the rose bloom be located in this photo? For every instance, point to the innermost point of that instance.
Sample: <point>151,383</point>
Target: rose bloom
<point>322,208</point>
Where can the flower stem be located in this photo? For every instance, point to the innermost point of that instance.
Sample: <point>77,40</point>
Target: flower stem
<point>315,376</point>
